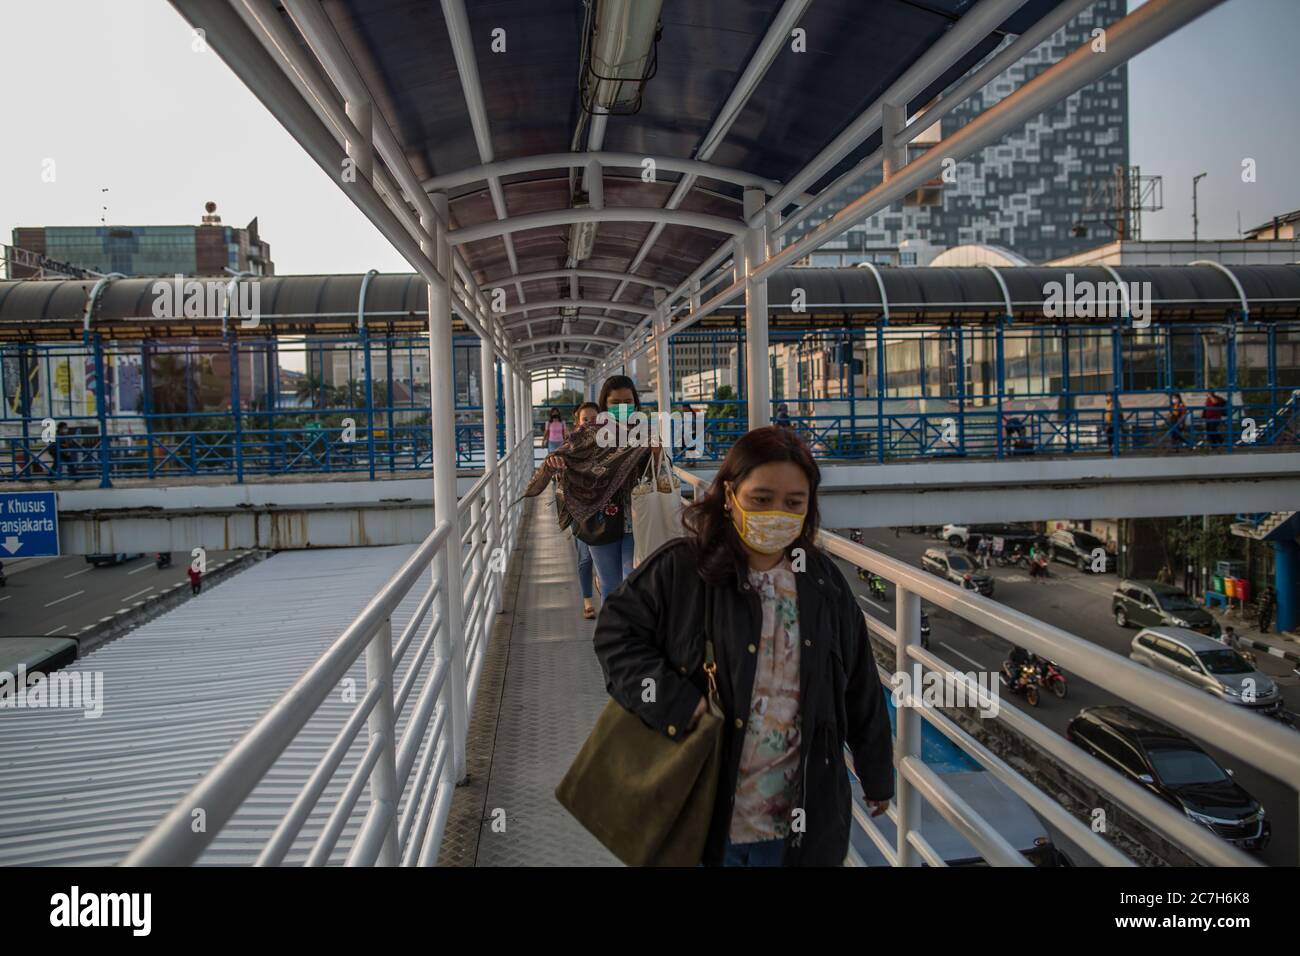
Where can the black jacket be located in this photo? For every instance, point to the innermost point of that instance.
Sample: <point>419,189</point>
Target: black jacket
<point>652,626</point>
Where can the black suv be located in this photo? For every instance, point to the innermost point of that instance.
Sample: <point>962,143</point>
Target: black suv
<point>1078,548</point>
<point>1175,769</point>
<point>1151,604</point>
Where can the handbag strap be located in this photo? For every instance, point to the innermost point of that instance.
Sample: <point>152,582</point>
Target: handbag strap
<point>710,664</point>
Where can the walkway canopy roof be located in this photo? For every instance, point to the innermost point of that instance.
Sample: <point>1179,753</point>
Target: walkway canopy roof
<point>486,104</point>
<point>125,309</point>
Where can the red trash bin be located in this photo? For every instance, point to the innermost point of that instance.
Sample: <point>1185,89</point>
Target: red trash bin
<point>1243,590</point>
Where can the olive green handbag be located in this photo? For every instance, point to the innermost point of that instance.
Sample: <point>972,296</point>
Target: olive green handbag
<point>646,797</point>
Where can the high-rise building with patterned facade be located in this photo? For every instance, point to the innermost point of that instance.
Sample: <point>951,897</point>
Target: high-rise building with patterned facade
<point>1028,192</point>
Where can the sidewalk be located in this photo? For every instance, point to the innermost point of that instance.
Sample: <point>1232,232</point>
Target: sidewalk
<point>1285,645</point>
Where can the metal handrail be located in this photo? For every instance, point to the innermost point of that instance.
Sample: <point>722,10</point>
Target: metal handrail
<point>387,761</point>
<point>1250,737</point>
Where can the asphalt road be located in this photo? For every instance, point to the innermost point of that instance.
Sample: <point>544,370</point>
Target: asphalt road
<point>1079,603</point>
<point>65,596</point>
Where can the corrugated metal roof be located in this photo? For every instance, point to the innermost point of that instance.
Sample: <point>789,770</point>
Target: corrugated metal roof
<point>178,693</point>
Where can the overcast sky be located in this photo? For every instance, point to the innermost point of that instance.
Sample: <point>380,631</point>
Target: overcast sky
<point>114,95</point>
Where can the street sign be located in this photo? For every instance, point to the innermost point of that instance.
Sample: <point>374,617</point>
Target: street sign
<point>29,525</point>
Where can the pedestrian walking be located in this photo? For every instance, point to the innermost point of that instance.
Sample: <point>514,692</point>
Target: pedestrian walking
<point>196,579</point>
<point>1212,417</point>
<point>794,671</point>
<point>1267,604</point>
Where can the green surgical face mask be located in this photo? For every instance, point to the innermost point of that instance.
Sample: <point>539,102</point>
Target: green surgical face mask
<point>621,412</point>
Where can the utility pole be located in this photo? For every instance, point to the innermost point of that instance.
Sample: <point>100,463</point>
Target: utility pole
<point>1196,222</point>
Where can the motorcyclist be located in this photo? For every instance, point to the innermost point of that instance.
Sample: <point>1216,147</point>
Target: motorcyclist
<point>1015,664</point>
<point>856,535</point>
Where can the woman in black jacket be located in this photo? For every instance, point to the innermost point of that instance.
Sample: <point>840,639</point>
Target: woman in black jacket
<point>796,676</point>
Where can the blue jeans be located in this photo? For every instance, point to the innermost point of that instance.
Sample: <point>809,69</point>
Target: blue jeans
<point>552,445</point>
<point>762,853</point>
<point>584,566</point>
<point>613,563</point>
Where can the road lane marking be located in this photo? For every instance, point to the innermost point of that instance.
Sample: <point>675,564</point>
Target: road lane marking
<point>137,593</point>
<point>56,630</point>
<point>138,570</point>
<point>961,655</point>
<point>89,567</point>
<point>62,599</point>
<point>6,597</point>
<point>873,604</point>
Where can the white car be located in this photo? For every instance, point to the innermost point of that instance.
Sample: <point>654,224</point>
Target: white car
<point>955,534</point>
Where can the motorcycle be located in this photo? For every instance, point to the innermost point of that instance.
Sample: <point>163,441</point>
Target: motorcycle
<point>875,583</point>
<point>1025,683</point>
<point>1051,678</point>
<point>855,536</point>
<point>162,560</point>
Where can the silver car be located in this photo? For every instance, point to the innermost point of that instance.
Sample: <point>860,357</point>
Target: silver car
<point>1205,663</point>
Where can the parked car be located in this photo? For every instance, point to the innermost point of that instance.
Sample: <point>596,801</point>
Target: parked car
<point>1205,663</point>
<point>957,535</point>
<point>116,558</point>
<point>957,568</point>
<point>1174,768</point>
<point>1078,548</point>
<point>1150,604</point>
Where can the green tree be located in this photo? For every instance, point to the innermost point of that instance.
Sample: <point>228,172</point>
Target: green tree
<point>723,393</point>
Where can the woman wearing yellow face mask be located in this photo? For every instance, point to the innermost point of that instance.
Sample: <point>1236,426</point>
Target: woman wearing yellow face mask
<point>795,674</point>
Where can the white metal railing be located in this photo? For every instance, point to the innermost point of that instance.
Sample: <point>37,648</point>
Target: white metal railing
<point>484,531</point>
<point>1261,742</point>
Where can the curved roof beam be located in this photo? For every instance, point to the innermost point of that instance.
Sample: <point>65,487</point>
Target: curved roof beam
<point>531,164</point>
<point>560,360</point>
<point>597,339</point>
<point>558,317</point>
<point>577,273</point>
<point>1241,293</point>
<point>567,217</point>
<point>578,304</point>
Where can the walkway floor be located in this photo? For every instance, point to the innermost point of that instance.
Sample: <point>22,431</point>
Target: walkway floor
<point>540,694</point>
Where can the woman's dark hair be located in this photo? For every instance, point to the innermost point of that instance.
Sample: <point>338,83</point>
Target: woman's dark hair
<point>577,412</point>
<point>718,548</point>
<point>613,384</point>
<point>554,412</point>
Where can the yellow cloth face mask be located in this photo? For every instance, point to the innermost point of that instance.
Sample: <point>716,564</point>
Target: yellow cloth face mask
<point>767,532</point>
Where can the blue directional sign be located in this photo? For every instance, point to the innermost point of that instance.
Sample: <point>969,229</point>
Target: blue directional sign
<point>29,525</point>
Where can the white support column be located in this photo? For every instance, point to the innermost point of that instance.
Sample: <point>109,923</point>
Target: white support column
<point>362,155</point>
<point>488,396</point>
<point>442,400</point>
<point>663,375</point>
<point>756,360</point>
<point>893,119</point>
<point>512,413</point>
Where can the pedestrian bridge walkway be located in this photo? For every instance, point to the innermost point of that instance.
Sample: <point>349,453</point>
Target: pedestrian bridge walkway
<point>541,692</point>
<point>408,741</point>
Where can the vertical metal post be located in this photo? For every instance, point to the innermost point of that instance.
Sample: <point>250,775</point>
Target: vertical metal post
<point>391,439</point>
<point>1230,363</point>
<point>1072,419</point>
<point>101,412</point>
<point>510,408</point>
<point>235,409</point>
<point>853,394</point>
<point>960,335</point>
<point>488,399</point>
<point>384,795</point>
<point>999,363</point>
<point>370,400</point>
<point>880,390</point>
<point>756,342</point>
<point>146,404</point>
<point>907,624</point>
<point>1116,384</point>
<point>1272,370</point>
<point>442,402</point>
